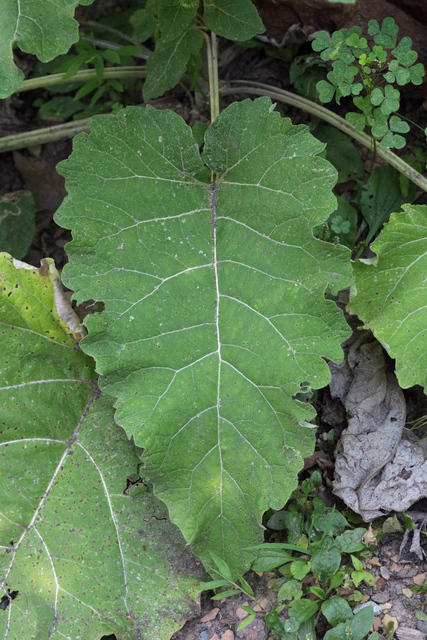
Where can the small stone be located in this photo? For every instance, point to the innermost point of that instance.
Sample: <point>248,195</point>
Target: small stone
<point>215,636</point>
<point>211,615</point>
<point>407,593</point>
<point>385,573</point>
<point>228,635</point>
<point>377,623</point>
<point>386,606</point>
<point>388,618</point>
<point>379,583</point>
<point>419,579</point>
<point>375,561</point>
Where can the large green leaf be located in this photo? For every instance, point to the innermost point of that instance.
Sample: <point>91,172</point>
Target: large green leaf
<point>233,19</point>
<point>168,62</point>
<point>390,292</point>
<point>43,27</point>
<point>82,558</point>
<point>215,313</point>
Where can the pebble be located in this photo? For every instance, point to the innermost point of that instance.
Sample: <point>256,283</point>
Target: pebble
<point>419,579</point>
<point>228,635</point>
<point>377,623</point>
<point>210,615</point>
<point>215,636</point>
<point>385,573</point>
<point>370,603</point>
<point>407,593</point>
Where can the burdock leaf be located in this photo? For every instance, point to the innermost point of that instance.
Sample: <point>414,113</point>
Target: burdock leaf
<point>215,309</point>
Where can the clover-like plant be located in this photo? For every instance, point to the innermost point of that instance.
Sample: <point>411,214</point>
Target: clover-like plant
<point>369,75</point>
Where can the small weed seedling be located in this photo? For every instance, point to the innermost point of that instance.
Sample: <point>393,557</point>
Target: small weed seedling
<point>312,565</point>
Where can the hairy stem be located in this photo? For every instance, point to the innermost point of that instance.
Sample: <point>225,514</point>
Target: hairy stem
<point>41,136</point>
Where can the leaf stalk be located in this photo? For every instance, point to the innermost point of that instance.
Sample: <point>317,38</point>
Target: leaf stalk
<point>81,76</point>
<point>212,56</point>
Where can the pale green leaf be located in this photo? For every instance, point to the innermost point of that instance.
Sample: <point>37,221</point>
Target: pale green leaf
<point>215,307</point>
<point>168,62</point>
<point>45,28</point>
<point>233,19</point>
<point>17,222</point>
<point>85,559</point>
<point>390,293</point>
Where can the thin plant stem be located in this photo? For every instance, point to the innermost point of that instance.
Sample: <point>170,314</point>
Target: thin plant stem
<point>215,103</point>
<point>257,88</point>
<point>81,76</point>
<point>41,136</point>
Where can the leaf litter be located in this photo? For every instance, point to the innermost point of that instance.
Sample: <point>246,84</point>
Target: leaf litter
<point>378,469</point>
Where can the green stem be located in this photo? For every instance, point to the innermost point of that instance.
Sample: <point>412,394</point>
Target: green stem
<point>212,57</point>
<point>40,136</point>
<point>399,115</point>
<point>281,95</point>
<point>81,76</point>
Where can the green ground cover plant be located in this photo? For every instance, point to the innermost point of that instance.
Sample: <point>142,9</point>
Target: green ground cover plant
<point>358,69</point>
<point>175,423</point>
<point>321,537</point>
